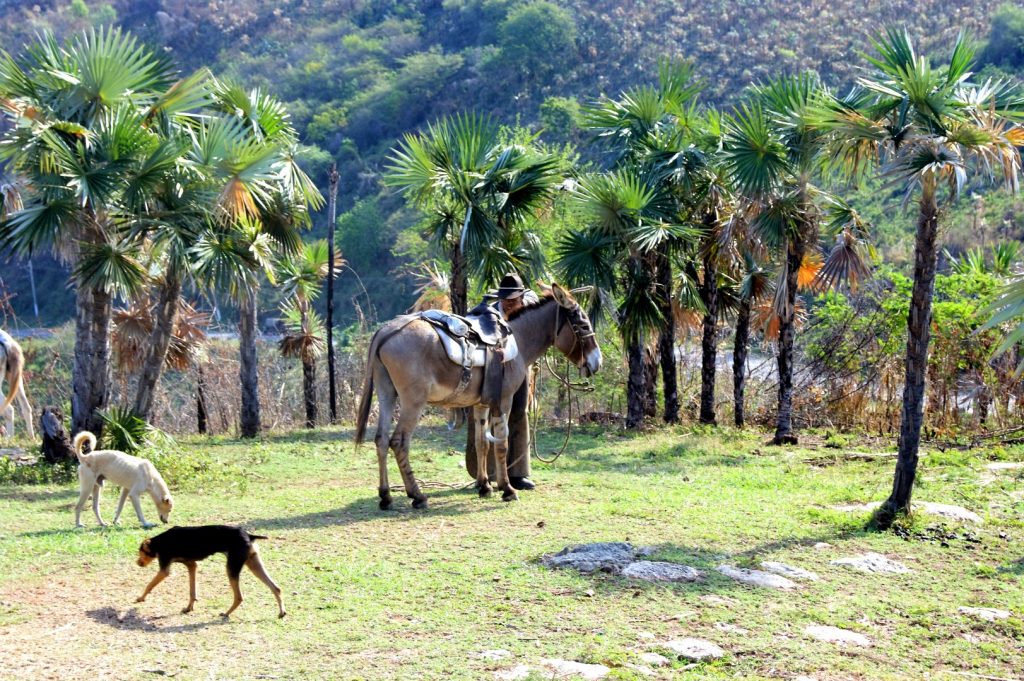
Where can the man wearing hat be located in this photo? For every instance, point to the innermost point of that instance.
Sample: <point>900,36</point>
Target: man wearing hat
<point>512,296</point>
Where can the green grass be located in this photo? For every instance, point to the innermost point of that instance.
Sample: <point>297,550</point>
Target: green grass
<point>410,594</point>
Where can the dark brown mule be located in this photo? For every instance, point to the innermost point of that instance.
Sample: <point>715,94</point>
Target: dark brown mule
<point>407,363</point>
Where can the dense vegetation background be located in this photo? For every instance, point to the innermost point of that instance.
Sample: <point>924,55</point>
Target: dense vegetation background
<point>357,74</point>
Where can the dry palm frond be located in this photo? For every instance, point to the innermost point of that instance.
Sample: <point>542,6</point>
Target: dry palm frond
<point>133,326</point>
<point>763,316</point>
<point>845,265</point>
<point>433,289</point>
<point>189,340</point>
<point>305,338</point>
<point>810,266</point>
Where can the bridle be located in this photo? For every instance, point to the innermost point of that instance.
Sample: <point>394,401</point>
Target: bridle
<point>581,329</point>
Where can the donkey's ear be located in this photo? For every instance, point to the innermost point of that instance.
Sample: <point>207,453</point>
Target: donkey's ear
<point>562,296</point>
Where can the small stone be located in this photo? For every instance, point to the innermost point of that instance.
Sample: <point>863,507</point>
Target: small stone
<point>659,571</point>
<point>695,649</point>
<point>731,628</point>
<point>712,599</point>
<point>837,635</point>
<point>655,660</point>
<point>517,673</point>
<point>757,578</point>
<point>971,638</point>
<point>494,654</point>
<point>949,511</point>
<point>789,571</point>
<point>645,636</point>
<point>822,545</point>
<point>1005,465</point>
<point>987,614</point>
<point>566,668</point>
<point>872,562</point>
<point>602,556</point>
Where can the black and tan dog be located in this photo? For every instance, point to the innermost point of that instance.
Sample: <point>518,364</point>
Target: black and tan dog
<point>189,545</point>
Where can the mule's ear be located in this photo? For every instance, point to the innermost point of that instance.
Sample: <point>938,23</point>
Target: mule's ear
<point>562,296</point>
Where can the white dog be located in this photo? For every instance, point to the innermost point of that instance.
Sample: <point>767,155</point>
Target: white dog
<point>132,474</point>
<point>12,365</point>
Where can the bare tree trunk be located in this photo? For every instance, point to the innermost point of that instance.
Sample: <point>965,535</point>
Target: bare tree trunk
<point>784,422</point>
<point>332,217</point>
<point>739,360</point>
<point>635,386</point>
<point>709,345</point>
<point>202,416</point>
<point>918,336</point>
<point>460,281</point>
<point>249,417</point>
<point>163,330</point>
<point>309,390</point>
<point>91,372</point>
<point>667,341</point>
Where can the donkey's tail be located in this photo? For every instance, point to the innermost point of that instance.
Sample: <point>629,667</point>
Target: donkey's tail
<point>366,400</point>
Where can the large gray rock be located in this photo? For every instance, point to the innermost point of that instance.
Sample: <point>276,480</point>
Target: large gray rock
<point>789,571</point>
<point>837,635</point>
<point>567,669</point>
<point>757,578</point>
<point>602,556</point>
<point>658,571</point>
<point>695,649</point>
<point>988,614</point>
<point>873,562</point>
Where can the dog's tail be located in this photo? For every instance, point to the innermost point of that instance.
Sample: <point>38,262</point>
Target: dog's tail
<point>14,365</point>
<point>82,438</point>
<point>257,536</point>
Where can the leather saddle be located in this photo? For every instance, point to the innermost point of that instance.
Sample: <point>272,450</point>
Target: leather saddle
<point>469,340</point>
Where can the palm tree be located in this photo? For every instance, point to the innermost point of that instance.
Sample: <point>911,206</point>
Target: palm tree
<point>929,128</point>
<point>265,199</point>
<point>478,191</point>
<point>774,150</point>
<point>636,218</point>
<point>300,280</point>
<point>91,137</point>
<point>753,284</point>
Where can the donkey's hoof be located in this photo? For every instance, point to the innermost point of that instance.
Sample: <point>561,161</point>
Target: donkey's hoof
<point>385,503</point>
<point>510,495</point>
<point>420,504</point>
<point>484,491</point>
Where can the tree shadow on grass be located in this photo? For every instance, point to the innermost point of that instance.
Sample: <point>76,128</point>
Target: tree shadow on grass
<point>41,495</point>
<point>132,621</point>
<point>365,509</point>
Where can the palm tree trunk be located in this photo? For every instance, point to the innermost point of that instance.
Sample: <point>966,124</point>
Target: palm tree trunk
<point>460,281</point>
<point>249,417</point>
<point>202,416</point>
<point>332,216</point>
<point>709,346</point>
<point>159,341</point>
<point>651,382</point>
<point>739,360</point>
<point>635,387</point>
<point>918,336</point>
<point>667,341</point>
<point>90,379</point>
<point>309,390</point>
<point>784,422</point>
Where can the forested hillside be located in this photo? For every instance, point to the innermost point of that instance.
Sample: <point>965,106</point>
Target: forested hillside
<point>357,74</point>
